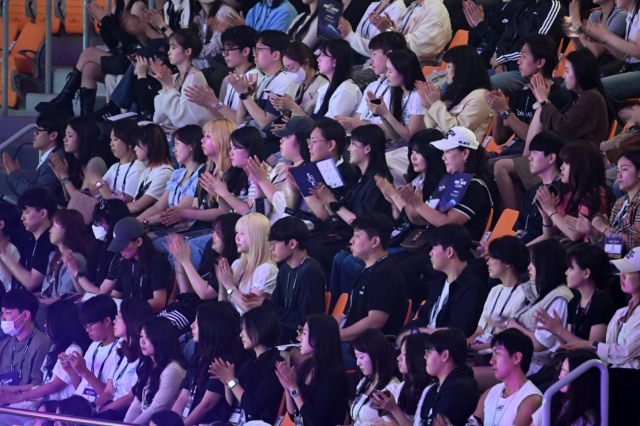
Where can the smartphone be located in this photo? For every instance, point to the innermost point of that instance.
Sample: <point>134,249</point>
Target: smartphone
<point>376,101</point>
<point>382,413</point>
<point>269,92</point>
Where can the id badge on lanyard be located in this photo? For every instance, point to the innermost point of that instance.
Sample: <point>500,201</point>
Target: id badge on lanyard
<point>237,417</point>
<point>89,394</point>
<point>10,379</point>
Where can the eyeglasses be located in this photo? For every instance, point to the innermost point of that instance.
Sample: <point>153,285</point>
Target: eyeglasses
<point>87,327</point>
<point>226,50</point>
<point>39,130</point>
<point>257,49</point>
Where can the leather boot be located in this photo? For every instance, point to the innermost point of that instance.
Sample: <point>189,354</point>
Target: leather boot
<point>87,100</point>
<point>64,101</point>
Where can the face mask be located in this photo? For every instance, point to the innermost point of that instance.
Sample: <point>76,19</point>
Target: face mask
<point>297,77</point>
<point>8,327</point>
<point>99,232</point>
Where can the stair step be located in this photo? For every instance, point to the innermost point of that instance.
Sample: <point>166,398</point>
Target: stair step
<point>34,99</point>
<point>60,79</point>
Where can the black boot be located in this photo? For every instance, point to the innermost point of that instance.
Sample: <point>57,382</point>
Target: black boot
<point>108,110</point>
<point>87,100</point>
<point>64,101</point>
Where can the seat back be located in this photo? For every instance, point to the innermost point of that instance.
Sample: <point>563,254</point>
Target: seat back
<point>408,316</point>
<point>13,33</point>
<point>559,71</point>
<point>421,304</point>
<point>340,305</point>
<point>18,13</point>
<point>12,95</point>
<point>460,38</point>
<point>327,302</point>
<point>74,16</point>
<point>504,225</point>
<point>41,15</point>
<point>30,39</point>
<point>487,228</point>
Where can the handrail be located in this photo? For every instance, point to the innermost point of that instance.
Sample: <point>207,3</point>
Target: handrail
<point>604,390</point>
<point>20,133</point>
<point>47,48</point>
<point>85,25</point>
<point>61,417</point>
<point>5,57</point>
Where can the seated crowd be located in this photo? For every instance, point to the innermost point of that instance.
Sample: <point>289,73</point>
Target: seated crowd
<point>307,231</point>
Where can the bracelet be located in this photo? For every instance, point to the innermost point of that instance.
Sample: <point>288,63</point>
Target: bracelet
<point>547,226</point>
<point>604,232</point>
<point>551,215</point>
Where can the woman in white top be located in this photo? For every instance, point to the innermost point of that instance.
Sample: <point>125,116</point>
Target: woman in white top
<point>153,150</point>
<point>508,260</point>
<point>181,187</point>
<point>367,29</point>
<point>172,107</point>
<point>411,392</point>
<point>341,96</point>
<point>405,115</point>
<point>10,226</point>
<point>116,397</point>
<point>64,328</point>
<point>304,27</point>
<point>253,276</point>
<point>121,180</point>
<point>463,103</point>
<point>375,360</point>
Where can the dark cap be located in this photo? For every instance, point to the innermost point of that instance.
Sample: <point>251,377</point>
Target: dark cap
<point>126,230</point>
<point>299,124</point>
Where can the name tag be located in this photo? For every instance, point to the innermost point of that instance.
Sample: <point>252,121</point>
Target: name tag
<point>613,247</point>
<point>89,394</point>
<point>187,407</point>
<point>237,417</point>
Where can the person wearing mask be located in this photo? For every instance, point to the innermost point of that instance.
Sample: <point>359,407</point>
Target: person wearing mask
<point>160,372</point>
<point>116,397</point>
<point>71,241</point>
<point>180,189</point>
<point>254,390</point>
<point>23,353</point>
<point>463,103</point>
<point>144,271</point>
<point>80,146</point>
<point>152,149</point>
<point>48,138</point>
<point>121,180</point>
<point>515,399</point>
<point>202,399</point>
<point>38,206</point>
<point>508,259</point>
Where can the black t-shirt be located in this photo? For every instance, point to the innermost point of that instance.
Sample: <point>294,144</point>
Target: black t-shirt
<point>476,205</point>
<point>529,217</point>
<point>222,411</point>
<point>522,104</point>
<point>349,176</point>
<point>133,282</point>
<point>35,255</point>
<point>262,389</point>
<point>99,260</point>
<point>379,288</point>
<point>599,310</point>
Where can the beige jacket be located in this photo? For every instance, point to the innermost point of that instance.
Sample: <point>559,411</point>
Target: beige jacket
<point>622,355</point>
<point>427,30</point>
<point>472,112</point>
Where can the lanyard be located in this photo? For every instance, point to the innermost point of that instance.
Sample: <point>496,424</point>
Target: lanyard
<point>266,10</point>
<point>622,213</point>
<point>122,371</point>
<point>404,105</point>
<point>578,316</point>
<point>229,97</point>
<point>24,354</point>
<point>183,78</point>
<point>29,261</point>
<point>367,25</point>
<point>505,303</point>
<point>93,360</point>
<point>180,187</point>
<point>405,22</point>
<point>146,183</point>
<point>355,282</point>
<point>124,181</point>
<point>295,280</point>
<point>268,83</point>
<point>133,268</point>
<point>301,92</point>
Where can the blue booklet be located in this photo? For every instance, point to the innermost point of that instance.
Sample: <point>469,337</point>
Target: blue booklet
<point>308,175</point>
<point>329,12</point>
<point>450,191</point>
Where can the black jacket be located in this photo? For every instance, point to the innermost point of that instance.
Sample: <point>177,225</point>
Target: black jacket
<point>20,182</point>
<point>455,399</point>
<point>463,307</point>
<point>542,17</point>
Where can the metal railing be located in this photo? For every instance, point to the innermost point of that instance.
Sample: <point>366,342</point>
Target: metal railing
<point>5,57</point>
<point>604,390</point>
<point>20,133</point>
<point>59,417</point>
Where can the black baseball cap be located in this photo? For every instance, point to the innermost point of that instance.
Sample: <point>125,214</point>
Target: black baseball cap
<point>126,230</point>
<point>299,124</point>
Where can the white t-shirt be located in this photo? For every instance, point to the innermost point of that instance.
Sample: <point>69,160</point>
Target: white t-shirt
<point>230,97</point>
<point>101,360</point>
<point>380,88</point>
<point>417,421</point>
<point>124,177</point>
<point>59,372</point>
<point>124,376</point>
<point>442,299</point>
<point>361,411</point>
<point>264,278</point>
<point>344,101</point>
<point>503,411</point>
<point>548,339</point>
<point>14,254</point>
<point>411,105</point>
<point>278,84</point>
<point>154,180</point>
<point>502,301</point>
<point>632,29</point>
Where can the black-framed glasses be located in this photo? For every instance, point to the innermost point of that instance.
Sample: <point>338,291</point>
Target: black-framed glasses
<point>39,130</point>
<point>87,327</point>
<point>257,49</point>
<point>226,50</point>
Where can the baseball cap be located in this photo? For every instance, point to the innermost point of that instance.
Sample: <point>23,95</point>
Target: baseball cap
<point>457,137</point>
<point>298,124</point>
<point>629,263</point>
<point>127,229</point>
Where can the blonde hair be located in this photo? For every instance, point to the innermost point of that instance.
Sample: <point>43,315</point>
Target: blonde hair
<point>256,227</point>
<point>220,130</point>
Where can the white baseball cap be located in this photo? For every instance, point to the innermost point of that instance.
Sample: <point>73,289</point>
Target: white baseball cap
<point>630,263</point>
<point>457,137</point>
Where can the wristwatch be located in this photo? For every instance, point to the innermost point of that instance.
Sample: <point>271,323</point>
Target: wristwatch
<point>218,105</point>
<point>505,114</point>
<point>335,206</point>
<point>543,103</point>
<point>594,346</point>
<point>65,180</point>
<point>244,96</point>
<point>231,290</point>
<point>294,393</point>
<point>163,29</point>
<point>80,275</point>
<point>99,184</point>
<point>580,30</point>
<point>232,383</point>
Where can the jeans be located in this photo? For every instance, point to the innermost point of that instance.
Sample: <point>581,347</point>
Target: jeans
<point>510,82</point>
<point>344,268</point>
<point>122,93</point>
<point>349,360</point>
<point>622,86</point>
<point>196,245</point>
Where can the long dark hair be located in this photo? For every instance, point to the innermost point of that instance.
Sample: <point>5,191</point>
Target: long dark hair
<point>215,7</point>
<point>421,143</point>
<point>162,334</point>
<point>262,326</point>
<point>340,50</point>
<point>217,336</point>
<point>111,211</point>
<point>298,31</point>
<point>548,257</point>
<point>373,136</point>
<point>88,133</point>
<point>406,63</point>
<point>587,73</point>
<point>324,337</point>
<point>146,251</point>
<point>417,378</point>
<point>581,403</point>
<point>248,138</point>
<point>384,366</point>
<point>133,312</point>
<point>64,328</point>
<point>586,178</point>
<point>469,74</point>
<point>225,225</point>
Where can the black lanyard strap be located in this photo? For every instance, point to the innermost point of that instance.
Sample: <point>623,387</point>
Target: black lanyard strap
<point>124,181</point>
<point>295,280</point>
<point>24,354</point>
<point>104,361</point>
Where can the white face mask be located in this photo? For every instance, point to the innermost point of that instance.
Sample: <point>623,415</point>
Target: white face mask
<point>8,327</point>
<point>297,77</point>
<point>99,232</point>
